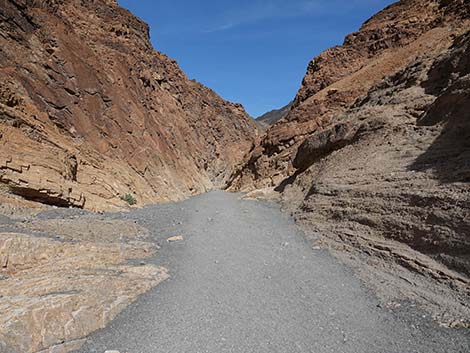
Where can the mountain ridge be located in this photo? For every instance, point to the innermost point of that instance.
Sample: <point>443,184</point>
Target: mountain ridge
<point>273,116</point>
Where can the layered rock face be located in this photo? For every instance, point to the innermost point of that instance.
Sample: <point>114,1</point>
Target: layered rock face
<point>386,43</point>
<point>72,280</point>
<point>375,156</point>
<point>89,111</point>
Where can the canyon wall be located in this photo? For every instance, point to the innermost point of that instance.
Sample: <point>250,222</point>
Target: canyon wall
<point>386,43</point>
<point>374,158</point>
<point>90,112</point>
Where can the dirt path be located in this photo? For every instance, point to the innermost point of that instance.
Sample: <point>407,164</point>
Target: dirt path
<point>245,280</point>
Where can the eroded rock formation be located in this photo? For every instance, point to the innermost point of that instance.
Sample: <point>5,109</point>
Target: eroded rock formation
<point>374,157</point>
<point>89,111</point>
<point>56,291</point>
<point>386,43</point>
<point>270,118</point>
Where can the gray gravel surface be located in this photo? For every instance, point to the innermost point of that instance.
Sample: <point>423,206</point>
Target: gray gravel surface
<point>245,280</point>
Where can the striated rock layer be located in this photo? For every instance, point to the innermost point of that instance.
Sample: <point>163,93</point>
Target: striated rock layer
<point>74,279</point>
<point>386,43</point>
<point>90,112</point>
<point>374,158</point>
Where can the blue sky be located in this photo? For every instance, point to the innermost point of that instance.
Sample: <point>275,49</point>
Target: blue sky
<point>253,52</point>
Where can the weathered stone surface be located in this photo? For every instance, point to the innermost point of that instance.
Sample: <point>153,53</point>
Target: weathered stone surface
<point>323,143</point>
<point>175,239</point>
<point>89,111</point>
<point>58,292</point>
<point>270,118</point>
<point>374,157</point>
<point>399,191</point>
<point>385,44</point>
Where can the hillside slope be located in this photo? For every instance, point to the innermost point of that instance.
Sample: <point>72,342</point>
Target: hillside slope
<point>272,117</point>
<point>89,111</point>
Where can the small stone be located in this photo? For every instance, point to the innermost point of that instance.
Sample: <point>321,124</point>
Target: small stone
<point>175,239</point>
<point>111,352</point>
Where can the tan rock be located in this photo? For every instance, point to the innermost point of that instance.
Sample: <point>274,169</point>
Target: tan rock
<point>67,289</point>
<point>175,239</point>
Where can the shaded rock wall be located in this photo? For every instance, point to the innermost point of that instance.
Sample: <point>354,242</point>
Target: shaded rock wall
<point>395,182</point>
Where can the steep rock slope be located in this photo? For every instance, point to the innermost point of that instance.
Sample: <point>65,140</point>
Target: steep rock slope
<point>386,43</point>
<point>378,157</point>
<point>391,179</point>
<point>89,111</point>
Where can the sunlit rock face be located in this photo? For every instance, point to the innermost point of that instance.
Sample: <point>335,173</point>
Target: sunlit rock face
<point>388,42</point>
<point>89,111</point>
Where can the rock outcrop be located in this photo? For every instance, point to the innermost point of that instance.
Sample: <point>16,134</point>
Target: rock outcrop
<point>385,44</point>
<point>89,111</point>
<point>74,279</point>
<point>374,157</point>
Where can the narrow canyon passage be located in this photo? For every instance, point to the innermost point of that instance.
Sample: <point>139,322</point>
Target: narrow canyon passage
<point>245,280</point>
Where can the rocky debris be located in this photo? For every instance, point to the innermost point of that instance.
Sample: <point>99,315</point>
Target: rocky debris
<point>268,194</point>
<point>89,111</point>
<point>373,158</point>
<point>175,239</point>
<point>69,287</point>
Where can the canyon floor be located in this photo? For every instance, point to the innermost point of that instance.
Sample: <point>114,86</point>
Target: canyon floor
<point>242,278</point>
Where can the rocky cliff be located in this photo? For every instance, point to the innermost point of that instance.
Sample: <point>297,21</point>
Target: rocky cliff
<point>90,112</point>
<point>386,43</point>
<point>374,157</point>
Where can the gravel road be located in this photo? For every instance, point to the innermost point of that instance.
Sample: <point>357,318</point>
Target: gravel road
<point>245,280</point>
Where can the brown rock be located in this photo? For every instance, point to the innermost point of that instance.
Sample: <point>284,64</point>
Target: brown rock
<point>379,170</point>
<point>90,112</point>
<point>388,42</point>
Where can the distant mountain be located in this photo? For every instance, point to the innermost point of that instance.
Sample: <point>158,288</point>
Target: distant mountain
<point>272,117</point>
